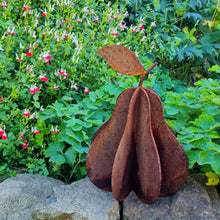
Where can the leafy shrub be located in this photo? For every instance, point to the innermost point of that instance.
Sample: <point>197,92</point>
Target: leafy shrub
<point>195,117</point>
<point>186,36</point>
<point>56,91</point>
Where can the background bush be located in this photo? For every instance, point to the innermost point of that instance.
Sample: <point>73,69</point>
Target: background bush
<point>51,47</point>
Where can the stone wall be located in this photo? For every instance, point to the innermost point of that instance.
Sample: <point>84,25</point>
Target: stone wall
<point>35,197</point>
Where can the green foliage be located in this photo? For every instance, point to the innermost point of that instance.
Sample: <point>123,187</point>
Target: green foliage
<point>49,130</point>
<point>186,37</point>
<point>195,117</point>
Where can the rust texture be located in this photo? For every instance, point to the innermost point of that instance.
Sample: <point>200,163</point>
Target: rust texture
<point>135,149</point>
<point>122,60</point>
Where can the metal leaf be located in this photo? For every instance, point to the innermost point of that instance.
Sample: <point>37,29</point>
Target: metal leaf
<point>122,60</point>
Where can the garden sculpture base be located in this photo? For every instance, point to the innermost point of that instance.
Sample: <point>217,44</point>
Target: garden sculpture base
<point>35,197</point>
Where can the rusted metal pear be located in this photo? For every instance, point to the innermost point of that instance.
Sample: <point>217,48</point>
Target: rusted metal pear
<point>135,149</point>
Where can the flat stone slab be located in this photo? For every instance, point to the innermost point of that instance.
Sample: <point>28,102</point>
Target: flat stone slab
<point>35,197</point>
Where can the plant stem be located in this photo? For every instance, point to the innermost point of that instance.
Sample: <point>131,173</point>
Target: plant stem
<point>146,72</point>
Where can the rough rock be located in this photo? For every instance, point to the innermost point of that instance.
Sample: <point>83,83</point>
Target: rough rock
<point>35,197</point>
<point>20,195</point>
<point>191,202</point>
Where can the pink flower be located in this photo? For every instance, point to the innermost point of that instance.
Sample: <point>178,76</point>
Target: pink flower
<point>25,141</point>
<point>75,87</point>
<point>79,20</point>
<point>55,87</point>
<point>25,7</point>
<point>34,89</point>
<point>86,90</point>
<point>22,136</point>
<point>86,10</point>
<point>115,17</point>
<point>43,78</point>
<point>115,34</point>
<point>52,129</point>
<point>143,38</point>
<point>96,20</point>
<point>56,129</point>
<point>24,146</point>
<point>65,36</point>
<point>4,136</point>
<point>153,24</point>
<point>1,99</point>
<point>19,59</point>
<point>47,57</point>
<point>4,4</point>
<point>26,113</point>
<point>29,54</point>
<point>44,14</point>
<point>118,13</point>
<point>122,26</point>
<point>36,131</point>
<point>109,18</point>
<point>141,27</point>
<point>65,74</point>
<point>1,131</point>
<point>62,71</point>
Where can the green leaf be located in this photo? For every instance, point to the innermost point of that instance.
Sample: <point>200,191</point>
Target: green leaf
<point>205,121</point>
<point>213,146</point>
<point>77,135</point>
<point>36,97</point>
<point>170,109</point>
<point>209,157</point>
<point>54,148</point>
<point>74,121</point>
<point>77,127</point>
<point>39,138</point>
<point>70,156</point>
<point>37,104</point>
<point>48,113</point>
<point>67,98</point>
<point>194,16</point>
<point>81,149</point>
<point>58,106</point>
<point>3,116</point>
<point>76,145</point>
<point>57,158</point>
<point>92,96</point>
<point>202,143</point>
<point>215,68</point>
<point>211,109</point>
<point>193,156</point>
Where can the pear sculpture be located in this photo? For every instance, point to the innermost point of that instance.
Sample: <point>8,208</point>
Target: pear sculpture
<point>135,149</point>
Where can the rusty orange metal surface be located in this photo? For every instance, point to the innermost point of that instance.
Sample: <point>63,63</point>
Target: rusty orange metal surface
<point>135,149</point>
<point>122,60</point>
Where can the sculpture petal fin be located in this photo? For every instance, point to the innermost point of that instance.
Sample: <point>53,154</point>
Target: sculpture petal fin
<point>100,158</point>
<point>173,158</point>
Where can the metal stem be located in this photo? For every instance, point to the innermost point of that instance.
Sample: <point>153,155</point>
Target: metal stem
<point>120,210</point>
<point>146,72</point>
